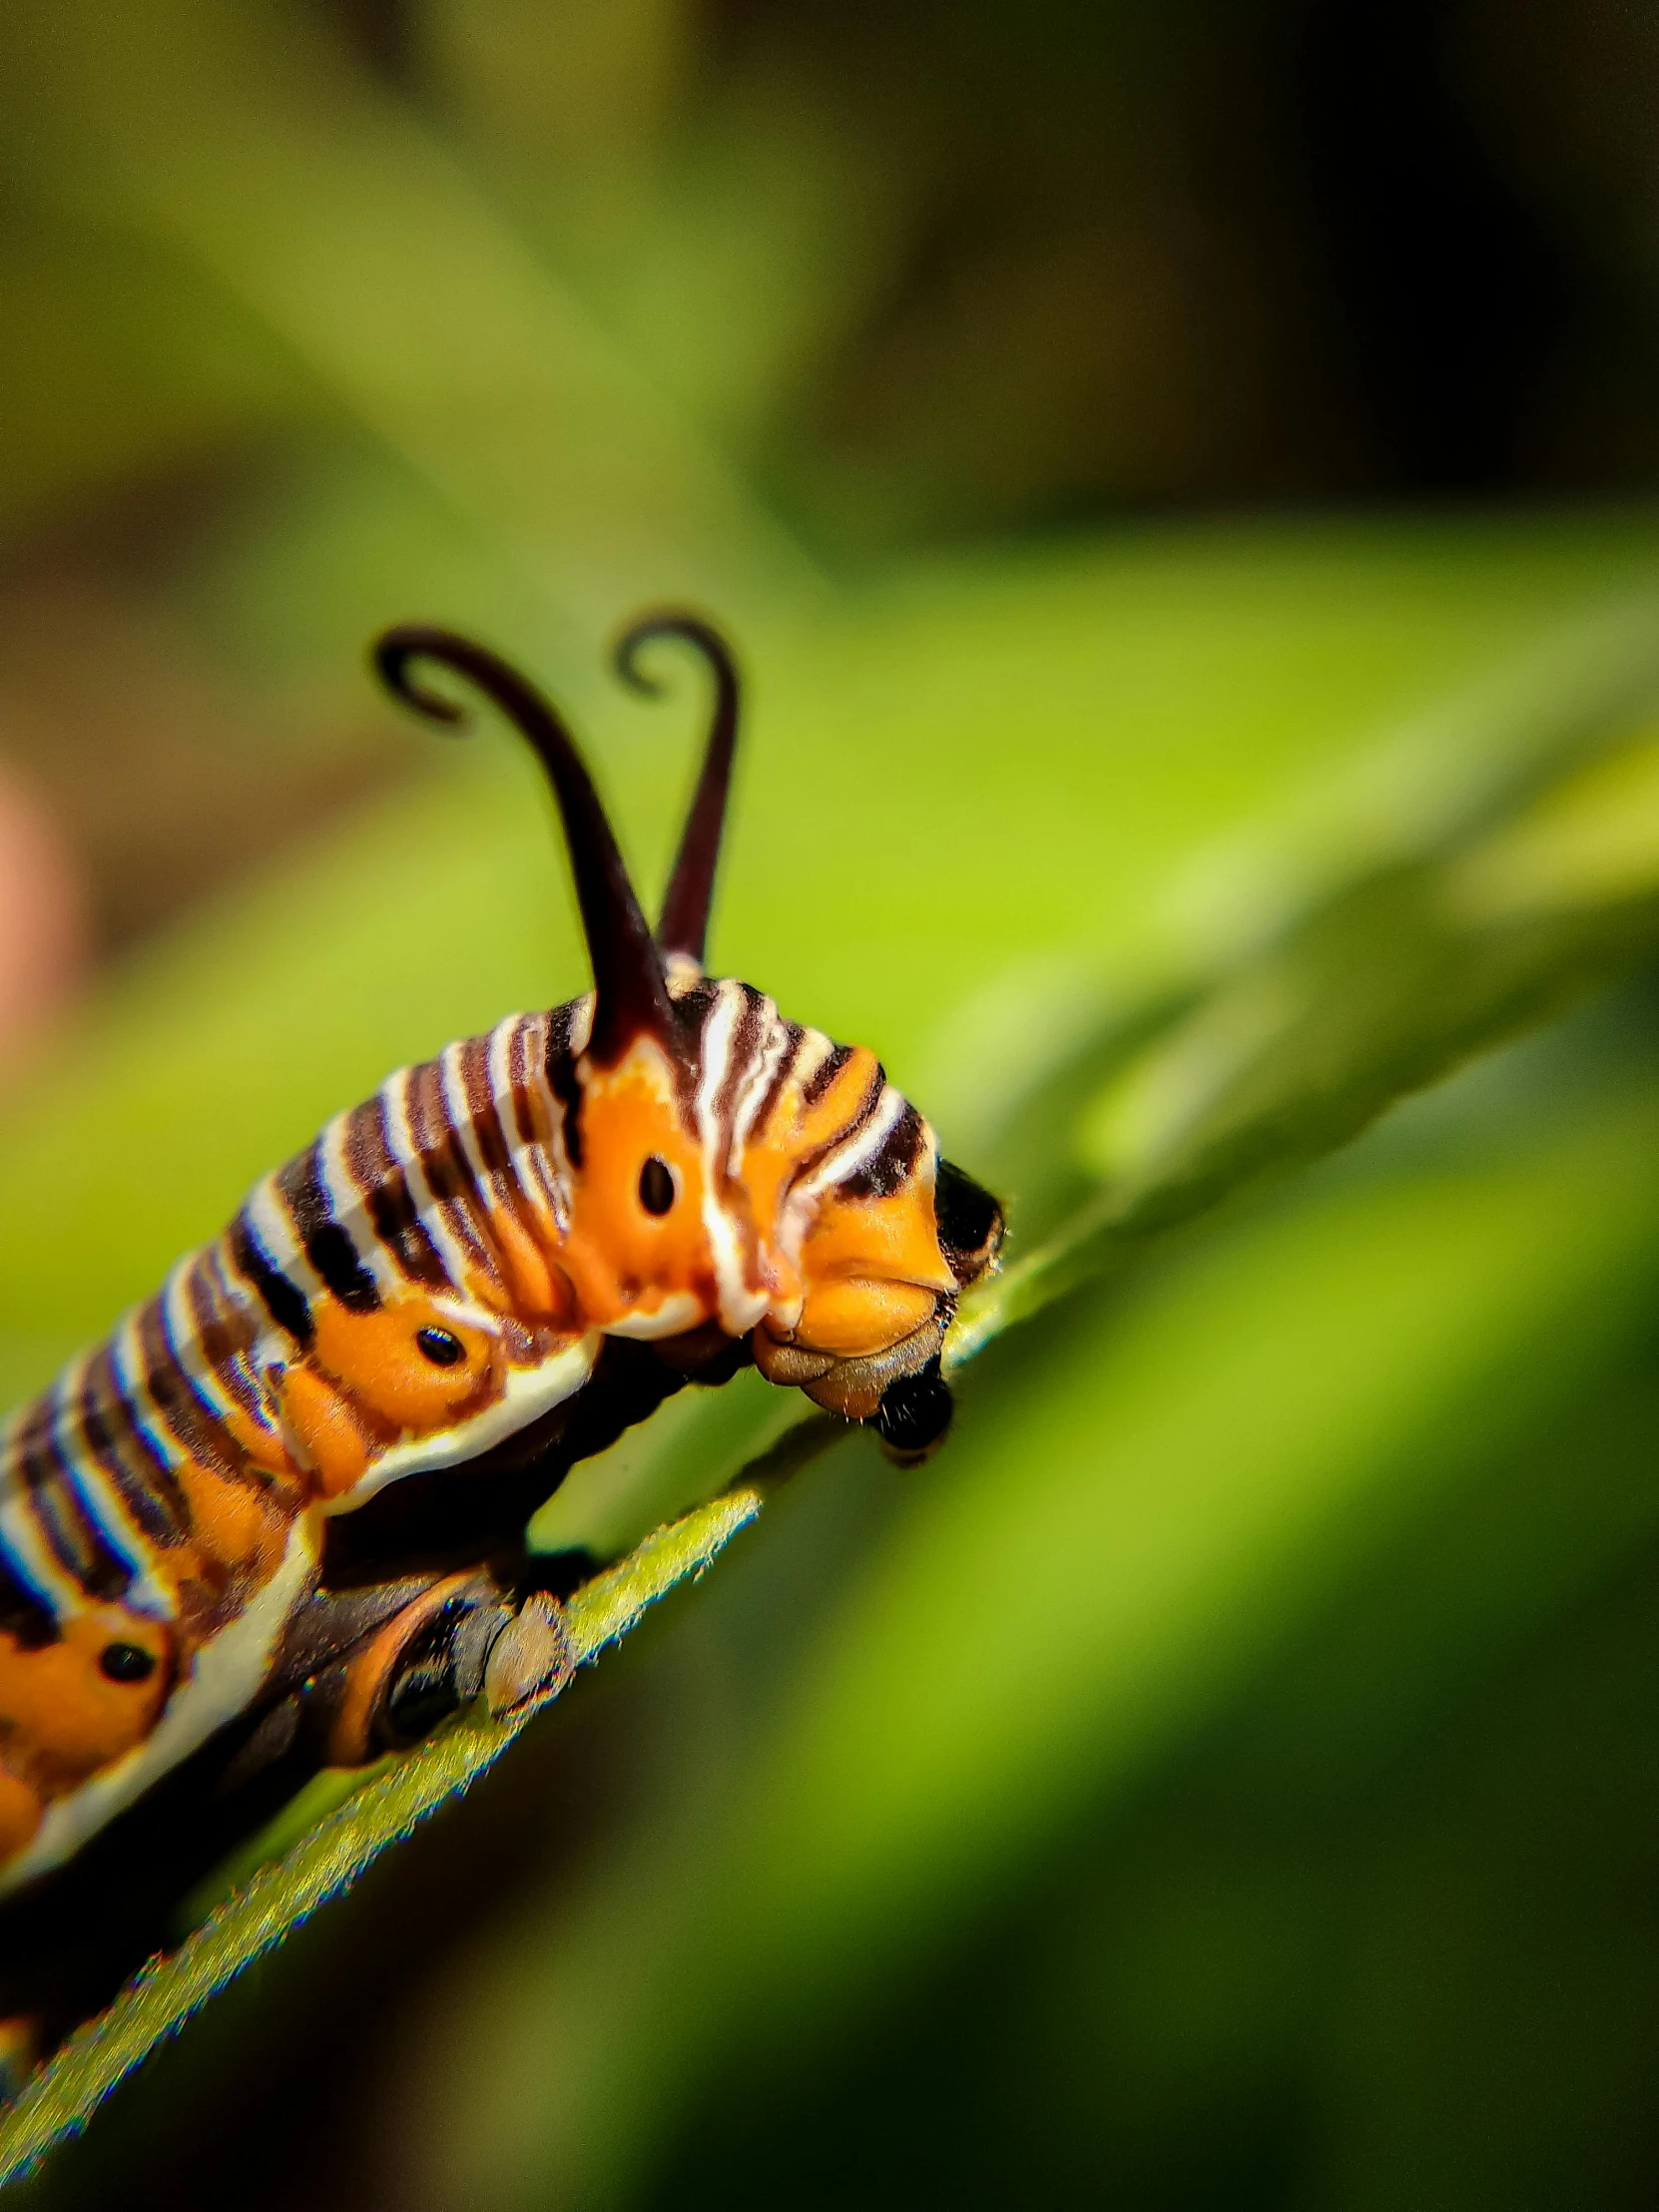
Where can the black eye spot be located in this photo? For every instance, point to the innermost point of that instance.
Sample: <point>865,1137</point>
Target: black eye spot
<point>439,1346</point>
<point>127,1662</point>
<point>655,1186</point>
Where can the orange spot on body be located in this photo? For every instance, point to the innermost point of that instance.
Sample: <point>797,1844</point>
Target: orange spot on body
<point>234,1528</point>
<point>333,1438</point>
<point>262,1446</point>
<point>539,1291</point>
<point>62,1715</point>
<point>377,1362</point>
<point>624,1261</point>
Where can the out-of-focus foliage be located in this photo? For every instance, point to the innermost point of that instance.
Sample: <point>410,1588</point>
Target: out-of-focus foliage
<point>1511,908</point>
<point>311,304</point>
<point>1223,1774</point>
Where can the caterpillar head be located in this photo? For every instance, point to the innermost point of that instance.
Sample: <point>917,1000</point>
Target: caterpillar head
<point>730,1175</point>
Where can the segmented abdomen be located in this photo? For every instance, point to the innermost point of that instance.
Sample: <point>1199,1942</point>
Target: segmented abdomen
<point>164,1469</point>
<point>159,1470</point>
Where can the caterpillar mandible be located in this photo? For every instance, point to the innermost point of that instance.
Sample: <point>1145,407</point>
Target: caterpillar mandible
<point>275,1520</point>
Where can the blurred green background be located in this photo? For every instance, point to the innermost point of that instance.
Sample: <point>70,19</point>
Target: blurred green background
<point>1183,483</point>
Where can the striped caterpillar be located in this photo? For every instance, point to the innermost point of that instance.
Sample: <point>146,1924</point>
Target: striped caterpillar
<point>275,1520</point>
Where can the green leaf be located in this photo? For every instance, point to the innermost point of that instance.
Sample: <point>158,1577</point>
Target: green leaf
<point>1553,863</point>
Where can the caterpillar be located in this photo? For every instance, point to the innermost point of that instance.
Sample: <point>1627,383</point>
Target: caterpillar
<point>275,1520</point>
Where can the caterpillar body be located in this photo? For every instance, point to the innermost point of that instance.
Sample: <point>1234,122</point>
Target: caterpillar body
<point>275,1520</point>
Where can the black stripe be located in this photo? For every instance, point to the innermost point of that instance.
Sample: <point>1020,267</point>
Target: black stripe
<point>483,1115</point>
<point>327,1242</point>
<point>78,1542</point>
<point>148,1487</point>
<point>826,1073</point>
<point>225,1333</point>
<point>780,1076</point>
<point>893,1162</point>
<point>71,1533</point>
<point>746,1036</point>
<point>567,1095</point>
<point>444,1159</point>
<point>535,1177</point>
<point>484,1110</point>
<point>282,1298</point>
<point>691,1015</point>
<point>812,1161</point>
<point>392,1213</point>
<point>190,1416</point>
<point>23,1612</point>
<point>396,1222</point>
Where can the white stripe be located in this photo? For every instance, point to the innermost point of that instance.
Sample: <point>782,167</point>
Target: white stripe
<point>543,1187</point>
<point>740,1306</point>
<point>530,1160</point>
<point>499,1074</point>
<point>265,1343</point>
<point>452,1089</point>
<point>126,1358</point>
<point>764,1066</point>
<point>716,1052</point>
<point>273,1227</point>
<point>186,1343</point>
<point>26,1549</point>
<point>852,1152</point>
<point>529,1394</point>
<point>679,1311</point>
<point>105,1507</point>
<point>351,1208</point>
<point>813,1050</point>
<point>400,1143</point>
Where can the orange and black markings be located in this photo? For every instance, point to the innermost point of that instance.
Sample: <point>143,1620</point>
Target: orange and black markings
<point>485,1270</point>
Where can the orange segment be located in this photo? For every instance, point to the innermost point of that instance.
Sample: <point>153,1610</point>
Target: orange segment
<point>329,1434</point>
<point>856,1315</point>
<point>893,1237</point>
<point>539,1293</point>
<point>231,1527</point>
<point>63,1714</point>
<point>622,1259</point>
<point>377,1360</point>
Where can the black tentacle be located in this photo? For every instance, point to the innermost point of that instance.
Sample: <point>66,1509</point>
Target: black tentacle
<point>684,924</point>
<point>629,983</point>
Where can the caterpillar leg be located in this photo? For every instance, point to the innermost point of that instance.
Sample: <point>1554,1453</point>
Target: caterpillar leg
<point>460,1639</point>
<point>532,1659</point>
<point>368,1670</point>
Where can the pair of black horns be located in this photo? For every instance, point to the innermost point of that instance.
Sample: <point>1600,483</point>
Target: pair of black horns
<point>629,974</point>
